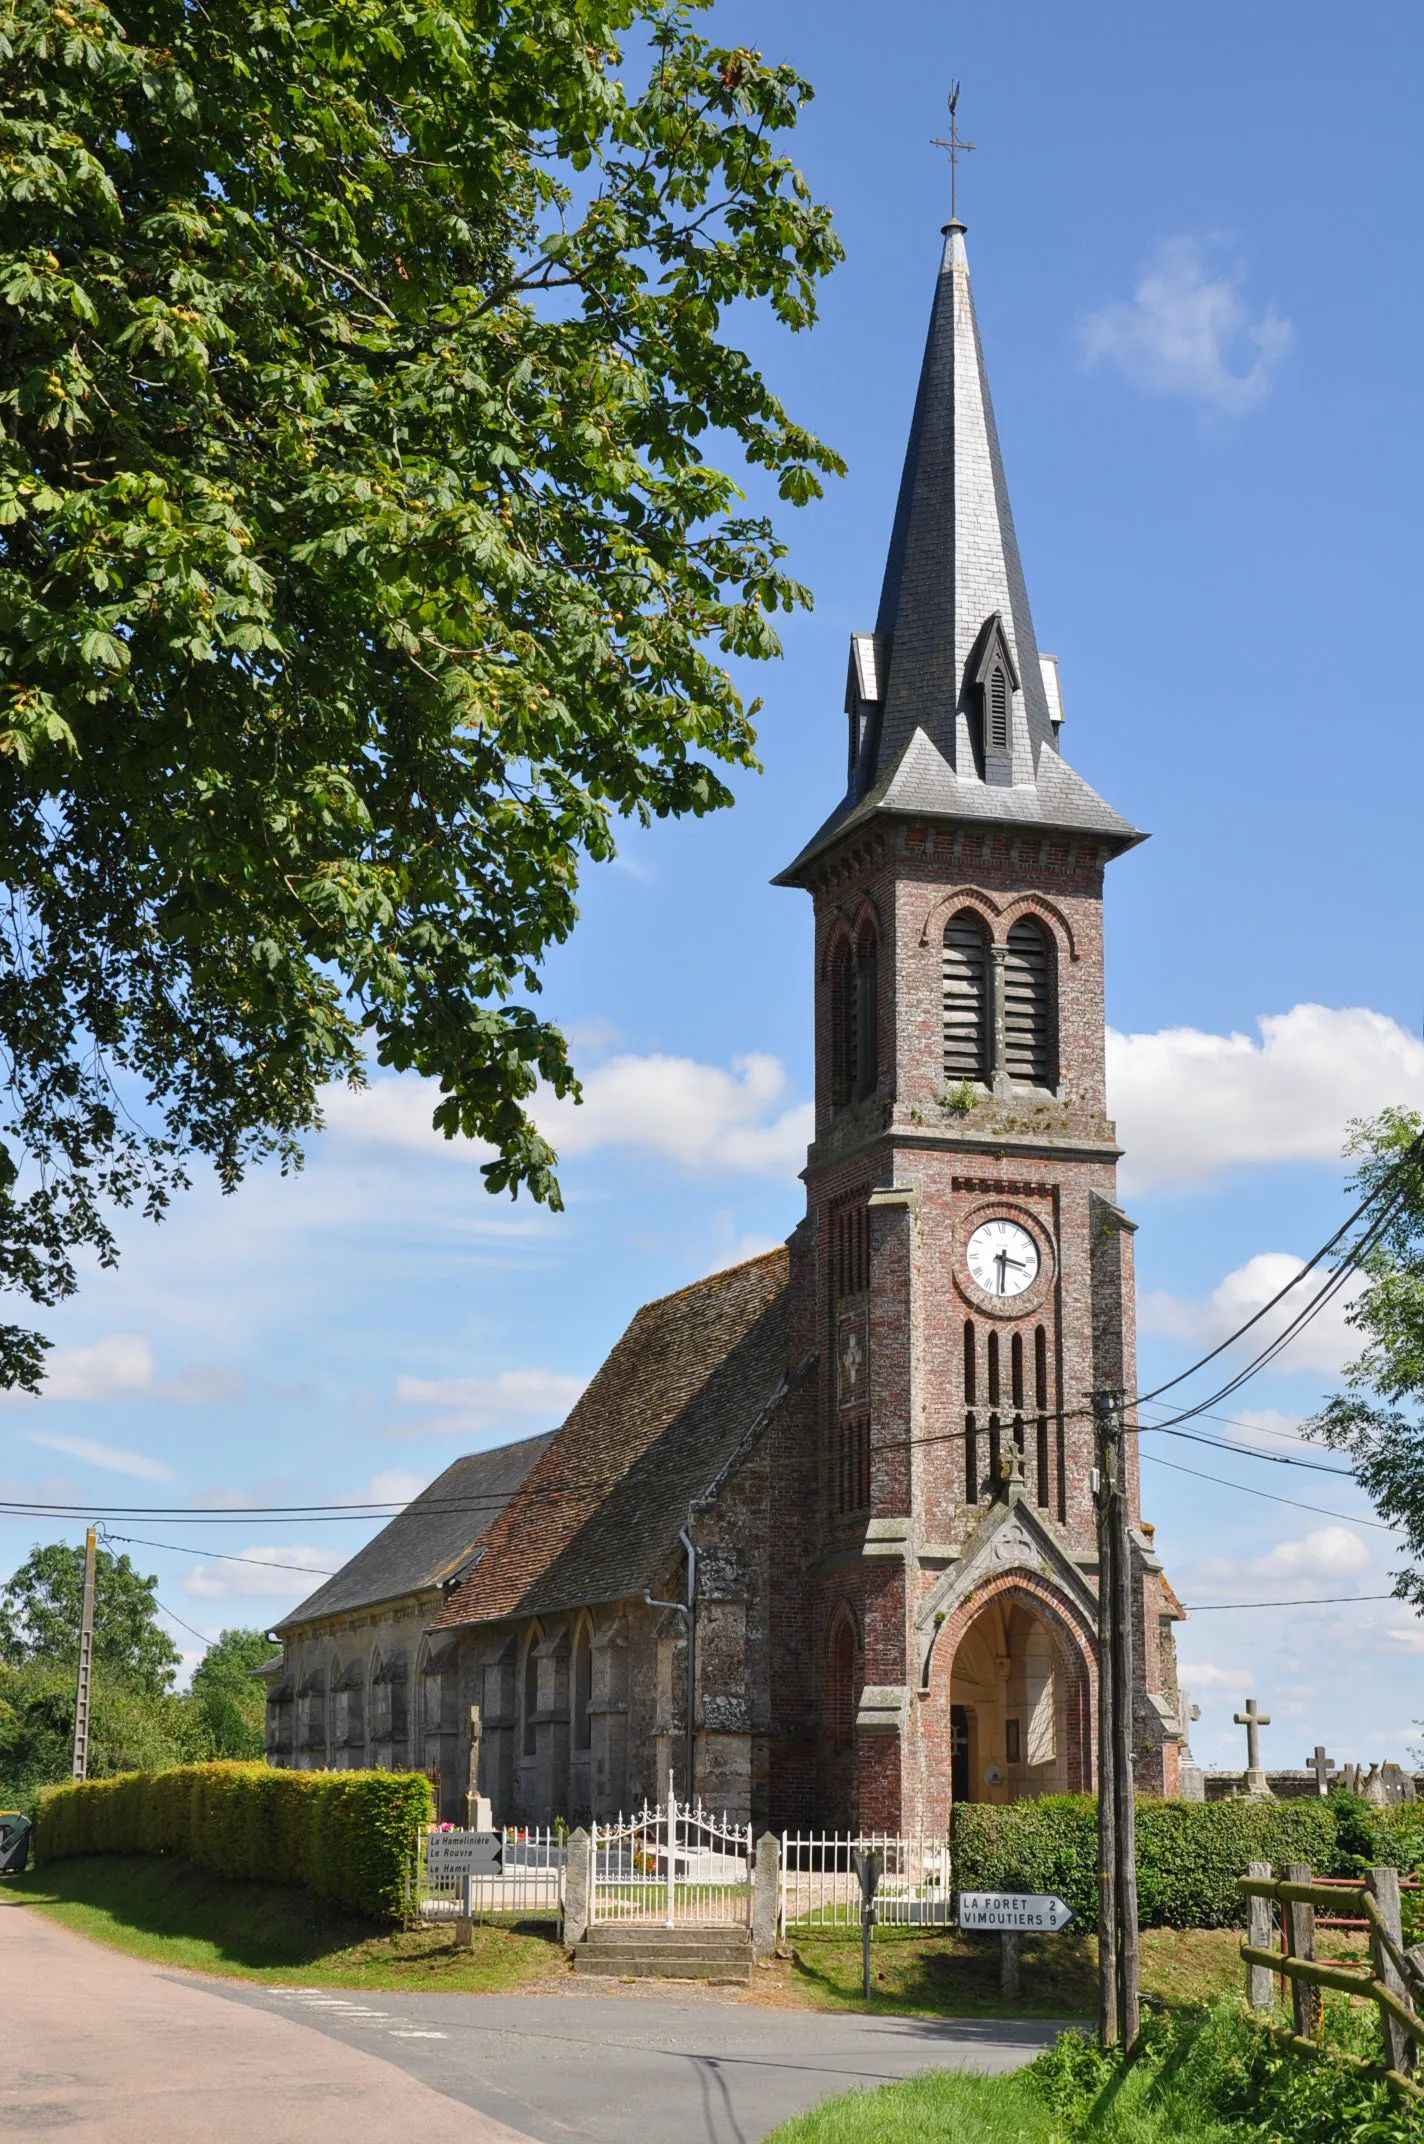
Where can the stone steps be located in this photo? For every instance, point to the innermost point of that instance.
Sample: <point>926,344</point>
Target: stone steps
<point>643,1951</point>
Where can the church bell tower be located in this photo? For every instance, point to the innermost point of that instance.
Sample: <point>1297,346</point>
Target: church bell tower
<point>973,1275</point>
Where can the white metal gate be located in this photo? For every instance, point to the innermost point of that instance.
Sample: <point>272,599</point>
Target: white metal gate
<point>674,1865</point>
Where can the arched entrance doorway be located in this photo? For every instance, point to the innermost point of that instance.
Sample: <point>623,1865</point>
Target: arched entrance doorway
<point>1017,1694</point>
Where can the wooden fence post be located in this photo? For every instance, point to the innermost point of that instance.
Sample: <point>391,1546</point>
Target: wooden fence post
<point>1259,1992</point>
<point>1383,1887</point>
<point>1307,2003</point>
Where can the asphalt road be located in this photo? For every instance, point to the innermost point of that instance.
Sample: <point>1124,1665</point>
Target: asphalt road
<point>640,2068</point>
<point>110,2049</point>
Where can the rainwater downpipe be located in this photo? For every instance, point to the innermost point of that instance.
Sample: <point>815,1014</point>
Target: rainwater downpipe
<point>688,1611</point>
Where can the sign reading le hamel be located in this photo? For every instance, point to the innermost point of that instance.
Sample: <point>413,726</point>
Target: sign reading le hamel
<point>452,1854</point>
<point>1013,1911</point>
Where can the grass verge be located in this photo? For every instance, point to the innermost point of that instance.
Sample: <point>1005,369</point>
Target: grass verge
<point>176,1915</point>
<point>1199,2077</point>
<point>947,1974</point>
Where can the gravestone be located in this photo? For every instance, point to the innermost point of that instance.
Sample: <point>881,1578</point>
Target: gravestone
<point>1322,1766</point>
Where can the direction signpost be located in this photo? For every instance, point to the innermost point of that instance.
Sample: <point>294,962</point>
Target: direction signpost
<point>1012,1914</point>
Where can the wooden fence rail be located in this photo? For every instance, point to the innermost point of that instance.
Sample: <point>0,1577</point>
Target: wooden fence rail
<point>1393,1981</point>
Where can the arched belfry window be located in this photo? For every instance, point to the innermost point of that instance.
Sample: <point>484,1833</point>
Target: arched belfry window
<point>867,1016</point>
<point>966,998</point>
<point>855,1065</point>
<point>1028,1005</point>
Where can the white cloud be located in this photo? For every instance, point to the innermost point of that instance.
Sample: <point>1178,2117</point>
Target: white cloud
<point>395,1485</point>
<point>1186,331</point>
<point>105,1456</point>
<point>700,1115</point>
<point>1326,1343</point>
<point>106,1369</point>
<point>705,1117</point>
<point>1324,1558</point>
<point>120,1365</point>
<point>1328,1552</point>
<point>247,1580</point>
<point>1189,1106</point>
<point>471,1404</point>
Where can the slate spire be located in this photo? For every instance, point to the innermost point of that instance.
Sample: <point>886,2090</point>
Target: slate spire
<point>954,564</point>
<point>953,712</point>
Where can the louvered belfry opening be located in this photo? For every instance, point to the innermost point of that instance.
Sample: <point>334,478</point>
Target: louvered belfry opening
<point>998,699</point>
<point>966,999</point>
<point>1028,1005</point>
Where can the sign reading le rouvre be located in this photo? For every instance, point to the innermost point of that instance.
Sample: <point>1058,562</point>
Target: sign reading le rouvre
<point>1013,1910</point>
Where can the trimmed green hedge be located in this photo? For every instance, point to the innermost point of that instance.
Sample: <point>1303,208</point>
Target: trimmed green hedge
<point>346,1835</point>
<point>1189,1854</point>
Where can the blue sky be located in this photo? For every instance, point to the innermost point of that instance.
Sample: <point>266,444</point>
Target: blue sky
<point>1195,251</point>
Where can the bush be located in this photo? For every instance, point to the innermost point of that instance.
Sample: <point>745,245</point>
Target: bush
<point>1196,2075</point>
<point>348,1836</point>
<point>1189,1854</point>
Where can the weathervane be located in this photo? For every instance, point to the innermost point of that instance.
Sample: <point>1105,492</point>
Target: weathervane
<point>957,147</point>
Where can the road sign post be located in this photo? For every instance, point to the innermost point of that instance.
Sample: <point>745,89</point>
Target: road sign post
<point>1012,1914</point>
<point>868,1867</point>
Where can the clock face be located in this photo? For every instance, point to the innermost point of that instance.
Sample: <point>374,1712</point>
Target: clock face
<point>1003,1258</point>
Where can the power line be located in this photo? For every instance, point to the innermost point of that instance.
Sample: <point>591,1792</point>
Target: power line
<point>333,1514</point>
<point>1410,1155</point>
<point>1346,1518</point>
<point>217,1555</point>
<point>1320,1600</point>
<point>182,1625</point>
<point>1244,1451</point>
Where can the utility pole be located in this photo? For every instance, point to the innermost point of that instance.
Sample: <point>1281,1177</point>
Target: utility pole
<point>1107,1799</point>
<point>1119,2012</point>
<point>80,1766</point>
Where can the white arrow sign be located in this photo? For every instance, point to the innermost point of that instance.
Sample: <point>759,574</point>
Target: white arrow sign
<point>1013,1910</point>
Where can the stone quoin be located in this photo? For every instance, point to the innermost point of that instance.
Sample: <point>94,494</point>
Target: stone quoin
<point>877,1438</point>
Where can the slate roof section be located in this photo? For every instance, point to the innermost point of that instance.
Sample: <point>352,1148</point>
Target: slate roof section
<point>597,1518</point>
<point>954,568</point>
<point>433,1538</point>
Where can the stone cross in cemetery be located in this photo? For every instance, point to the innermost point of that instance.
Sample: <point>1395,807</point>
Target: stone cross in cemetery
<point>478,1814</point>
<point>1253,1720</point>
<point>1322,1766</point>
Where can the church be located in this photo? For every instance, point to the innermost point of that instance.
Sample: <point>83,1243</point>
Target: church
<point>817,1543</point>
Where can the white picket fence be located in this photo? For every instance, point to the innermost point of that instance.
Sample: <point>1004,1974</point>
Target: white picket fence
<point>820,1887</point>
<point>527,1883</point>
<point>678,1866</point>
<point>674,1865</point>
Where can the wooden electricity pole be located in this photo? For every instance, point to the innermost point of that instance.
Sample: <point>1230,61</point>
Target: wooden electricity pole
<point>80,1766</point>
<point>1118,2003</point>
<point>1107,1799</point>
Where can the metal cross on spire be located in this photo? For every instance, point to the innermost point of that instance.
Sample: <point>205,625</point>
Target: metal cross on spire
<point>957,146</point>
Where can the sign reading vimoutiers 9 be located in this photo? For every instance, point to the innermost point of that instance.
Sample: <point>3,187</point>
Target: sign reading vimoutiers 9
<point>1013,1911</point>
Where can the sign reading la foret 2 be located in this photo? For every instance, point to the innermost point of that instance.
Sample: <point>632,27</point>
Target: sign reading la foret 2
<point>1013,1912</point>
